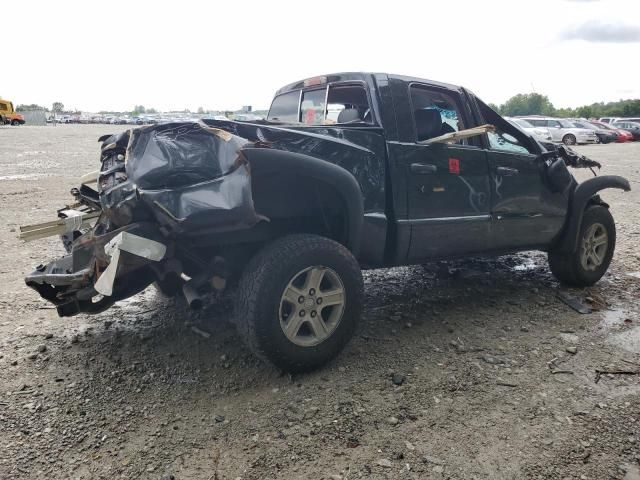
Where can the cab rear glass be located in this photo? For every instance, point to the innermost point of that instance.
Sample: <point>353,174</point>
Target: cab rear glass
<point>336,103</point>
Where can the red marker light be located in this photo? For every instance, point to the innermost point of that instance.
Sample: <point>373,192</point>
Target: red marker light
<point>454,166</point>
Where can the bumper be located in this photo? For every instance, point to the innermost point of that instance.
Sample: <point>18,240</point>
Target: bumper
<point>101,270</point>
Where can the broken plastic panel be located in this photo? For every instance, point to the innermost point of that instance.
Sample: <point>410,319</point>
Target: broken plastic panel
<point>186,175</point>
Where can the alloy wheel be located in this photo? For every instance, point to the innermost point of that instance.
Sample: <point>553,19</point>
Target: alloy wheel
<point>594,247</point>
<point>312,306</point>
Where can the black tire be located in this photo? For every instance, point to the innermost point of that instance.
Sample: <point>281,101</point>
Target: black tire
<point>260,293</point>
<point>569,268</point>
<point>15,123</point>
<point>569,139</point>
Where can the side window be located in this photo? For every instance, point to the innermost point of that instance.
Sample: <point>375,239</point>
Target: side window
<point>506,137</point>
<point>435,113</point>
<point>3,106</point>
<point>553,123</point>
<point>503,141</point>
<point>537,123</point>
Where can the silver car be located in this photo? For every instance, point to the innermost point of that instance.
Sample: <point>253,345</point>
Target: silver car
<point>563,131</point>
<point>539,133</point>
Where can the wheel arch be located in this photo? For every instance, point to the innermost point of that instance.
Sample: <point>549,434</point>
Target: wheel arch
<point>306,180</point>
<point>584,195</point>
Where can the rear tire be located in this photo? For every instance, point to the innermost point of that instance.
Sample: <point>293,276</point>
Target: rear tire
<point>15,123</point>
<point>569,139</point>
<point>299,301</point>
<point>596,244</point>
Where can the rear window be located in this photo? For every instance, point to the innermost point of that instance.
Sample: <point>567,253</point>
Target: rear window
<point>312,107</point>
<point>342,103</point>
<point>537,122</point>
<point>523,123</point>
<point>284,108</point>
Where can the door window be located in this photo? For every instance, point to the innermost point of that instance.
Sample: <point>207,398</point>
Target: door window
<point>3,106</point>
<point>435,113</point>
<point>505,137</point>
<point>503,141</point>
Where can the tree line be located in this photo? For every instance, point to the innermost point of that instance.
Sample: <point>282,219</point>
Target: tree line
<point>520,104</point>
<point>537,104</point>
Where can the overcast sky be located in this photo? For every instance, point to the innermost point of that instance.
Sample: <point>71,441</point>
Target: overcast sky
<point>112,55</point>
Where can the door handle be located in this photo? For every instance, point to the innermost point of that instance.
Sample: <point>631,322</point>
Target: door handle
<point>423,168</point>
<point>507,172</point>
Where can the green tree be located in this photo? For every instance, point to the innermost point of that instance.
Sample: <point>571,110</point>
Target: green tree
<point>33,106</point>
<point>528,104</point>
<point>138,109</point>
<point>584,112</point>
<point>57,107</point>
<point>200,110</point>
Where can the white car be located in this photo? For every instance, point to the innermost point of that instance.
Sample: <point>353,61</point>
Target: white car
<point>539,133</point>
<point>562,130</point>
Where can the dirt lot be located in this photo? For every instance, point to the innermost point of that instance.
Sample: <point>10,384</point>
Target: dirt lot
<point>464,370</point>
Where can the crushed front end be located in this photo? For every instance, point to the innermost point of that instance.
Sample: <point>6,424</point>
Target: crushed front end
<point>155,185</point>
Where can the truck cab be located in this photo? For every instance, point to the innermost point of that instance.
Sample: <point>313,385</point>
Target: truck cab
<point>426,201</point>
<point>9,115</point>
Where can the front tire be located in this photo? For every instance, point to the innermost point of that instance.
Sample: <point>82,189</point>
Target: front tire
<point>15,123</point>
<point>569,139</point>
<point>596,244</point>
<point>299,301</point>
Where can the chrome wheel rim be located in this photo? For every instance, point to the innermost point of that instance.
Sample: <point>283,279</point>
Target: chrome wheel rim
<point>595,243</point>
<point>312,306</point>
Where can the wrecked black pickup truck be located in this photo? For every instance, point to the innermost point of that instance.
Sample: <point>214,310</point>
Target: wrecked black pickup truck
<point>348,171</point>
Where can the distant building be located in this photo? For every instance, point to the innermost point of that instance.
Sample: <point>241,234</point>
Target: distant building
<point>246,109</point>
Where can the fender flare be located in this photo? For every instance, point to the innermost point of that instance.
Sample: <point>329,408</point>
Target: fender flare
<point>583,193</point>
<point>266,160</point>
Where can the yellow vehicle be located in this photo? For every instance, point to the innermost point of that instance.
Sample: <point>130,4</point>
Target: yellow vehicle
<point>8,115</point>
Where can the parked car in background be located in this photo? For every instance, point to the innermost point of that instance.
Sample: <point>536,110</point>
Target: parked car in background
<point>246,117</point>
<point>623,135</point>
<point>562,130</point>
<point>604,136</point>
<point>631,127</point>
<point>539,133</point>
<point>608,119</point>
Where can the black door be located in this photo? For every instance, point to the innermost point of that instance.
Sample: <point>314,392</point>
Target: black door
<point>448,192</point>
<point>525,213</point>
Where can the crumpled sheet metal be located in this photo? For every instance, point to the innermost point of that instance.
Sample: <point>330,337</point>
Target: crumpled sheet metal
<point>188,175</point>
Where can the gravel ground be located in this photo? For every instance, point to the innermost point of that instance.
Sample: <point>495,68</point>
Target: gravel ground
<point>462,370</point>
